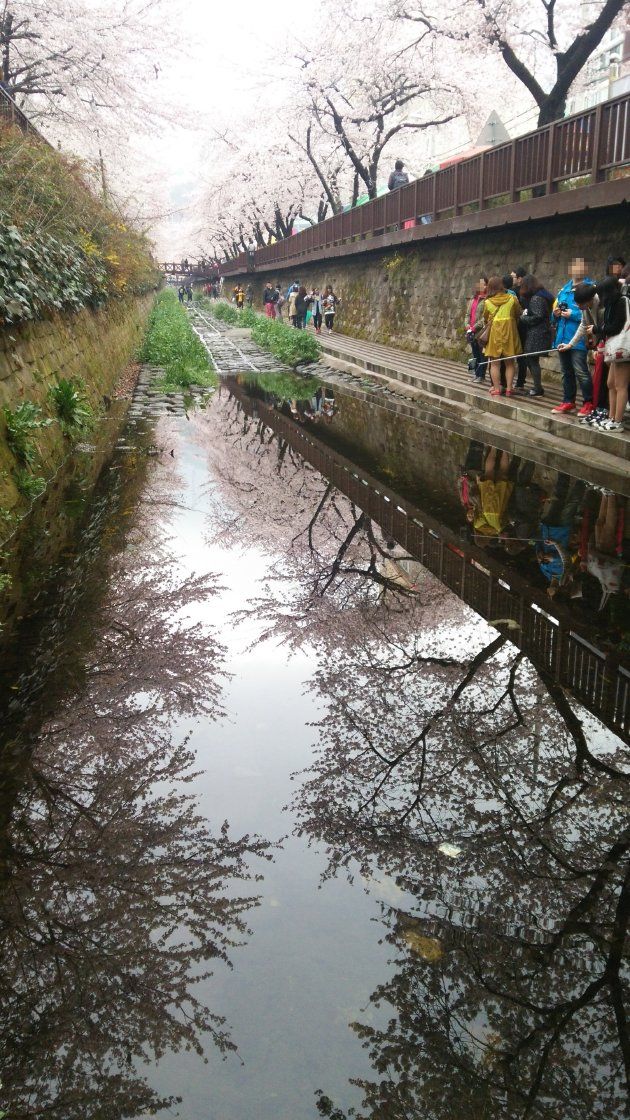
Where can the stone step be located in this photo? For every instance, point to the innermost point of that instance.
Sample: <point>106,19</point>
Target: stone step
<point>449,381</point>
<point>558,451</point>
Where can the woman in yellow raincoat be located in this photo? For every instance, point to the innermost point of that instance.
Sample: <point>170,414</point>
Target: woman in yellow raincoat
<point>501,313</point>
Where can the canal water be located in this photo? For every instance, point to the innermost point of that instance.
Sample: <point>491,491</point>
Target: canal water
<point>287,829</point>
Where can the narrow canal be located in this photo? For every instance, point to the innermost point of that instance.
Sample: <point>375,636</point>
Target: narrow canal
<point>287,829</point>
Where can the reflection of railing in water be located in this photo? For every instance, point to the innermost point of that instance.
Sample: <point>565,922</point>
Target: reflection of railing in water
<point>595,677</point>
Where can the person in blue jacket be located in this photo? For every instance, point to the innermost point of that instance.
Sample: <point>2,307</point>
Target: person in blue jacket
<point>573,357</point>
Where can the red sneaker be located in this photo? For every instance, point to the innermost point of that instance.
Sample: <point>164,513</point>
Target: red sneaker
<point>586,408</point>
<point>567,406</point>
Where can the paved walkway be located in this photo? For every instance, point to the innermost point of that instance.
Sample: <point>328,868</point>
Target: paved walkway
<point>520,424</point>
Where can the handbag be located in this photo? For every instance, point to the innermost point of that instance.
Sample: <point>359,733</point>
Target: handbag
<point>484,335</point>
<point>617,348</point>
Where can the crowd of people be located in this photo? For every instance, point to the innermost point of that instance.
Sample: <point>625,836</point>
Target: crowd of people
<point>514,320</point>
<point>302,306</point>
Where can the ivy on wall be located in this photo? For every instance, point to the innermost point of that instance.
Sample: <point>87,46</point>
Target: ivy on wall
<point>62,245</point>
<point>39,273</point>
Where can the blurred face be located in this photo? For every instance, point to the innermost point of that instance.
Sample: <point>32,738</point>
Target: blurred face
<point>577,268</point>
<point>615,269</point>
<point>481,286</point>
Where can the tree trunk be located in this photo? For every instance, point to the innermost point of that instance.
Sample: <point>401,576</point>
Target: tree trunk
<point>553,107</point>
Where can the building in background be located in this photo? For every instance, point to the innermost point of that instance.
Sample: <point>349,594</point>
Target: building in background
<point>608,71</point>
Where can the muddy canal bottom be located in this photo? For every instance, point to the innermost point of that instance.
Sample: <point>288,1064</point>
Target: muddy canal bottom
<point>287,830</point>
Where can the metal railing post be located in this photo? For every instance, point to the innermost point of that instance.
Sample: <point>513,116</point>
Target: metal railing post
<point>595,149</point>
<point>550,185</point>
<point>456,190</point>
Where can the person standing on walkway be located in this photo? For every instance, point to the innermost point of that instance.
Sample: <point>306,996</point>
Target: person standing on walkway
<point>474,326</point>
<point>249,295</point>
<point>501,314</point>
<point>536,323</point>
<point>292,302</point>
<point>398,178</point>
<point>615,266</point>
<point>317,310</point>
<point>269,302</point>
<point>615,320</point>
<point>278,302</point>
<point>302,303</point>
<point>573,360</point>
<point>240,297</point>
<point>181,292</point>
<point>587,300</point>
<point>330,302</point>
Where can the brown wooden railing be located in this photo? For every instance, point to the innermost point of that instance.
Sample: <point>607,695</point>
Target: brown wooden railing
<point>589,145</point>
<point>546,633</point>
<point>11,114</point>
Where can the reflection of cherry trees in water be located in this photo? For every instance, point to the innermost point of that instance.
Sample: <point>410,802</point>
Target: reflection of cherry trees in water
<point>335,568</point>
<point>509,846</point>
<point>117,895</point>
<point>496,812</point>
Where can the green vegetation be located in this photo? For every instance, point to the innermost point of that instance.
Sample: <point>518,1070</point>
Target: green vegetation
<point>248,317</point>
<point>73,413</point>
<point>21,424</point>
<point>61,248</point>
<point>29,485</point>
<point>172,344</point>
<point>288,345</point>
<point>226,312</point>
<point>230,314</point>
<point>286,386</point>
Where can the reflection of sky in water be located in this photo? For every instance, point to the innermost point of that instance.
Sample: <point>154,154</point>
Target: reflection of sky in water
<point>314,957</point>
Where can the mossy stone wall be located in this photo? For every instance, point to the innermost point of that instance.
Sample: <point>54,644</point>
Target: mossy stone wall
<point>92,347</point>
<point>414,297</point>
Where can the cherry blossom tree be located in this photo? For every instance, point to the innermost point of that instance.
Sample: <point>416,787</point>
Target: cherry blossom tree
<point>545,46</point>
<point>388,95</point>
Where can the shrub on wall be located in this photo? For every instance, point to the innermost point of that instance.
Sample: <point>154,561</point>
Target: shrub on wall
<point>61,247</point>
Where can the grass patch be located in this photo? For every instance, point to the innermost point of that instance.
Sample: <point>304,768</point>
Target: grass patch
<point>73,412</point>
<point>22,423</point>
<point>172,344</point>
<point>286,386</point>
<point>291,347</point>
<point>226,312</point>
<point>29,485</point>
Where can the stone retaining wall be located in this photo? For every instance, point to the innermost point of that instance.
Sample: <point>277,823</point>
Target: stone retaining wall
<point>414,297</point>
<point>92,347</point>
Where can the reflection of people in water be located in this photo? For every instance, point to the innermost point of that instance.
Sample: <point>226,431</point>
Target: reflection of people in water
<point>603,557</point>
<point>557,533</point>
<point>489,498</point>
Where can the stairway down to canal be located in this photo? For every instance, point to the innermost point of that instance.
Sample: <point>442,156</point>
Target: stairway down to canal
<point>246,725</point>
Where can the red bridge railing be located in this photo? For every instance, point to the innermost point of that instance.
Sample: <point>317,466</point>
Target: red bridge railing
<point>590,146</point>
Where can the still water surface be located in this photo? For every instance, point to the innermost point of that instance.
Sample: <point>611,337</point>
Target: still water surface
<point>418,905</point>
